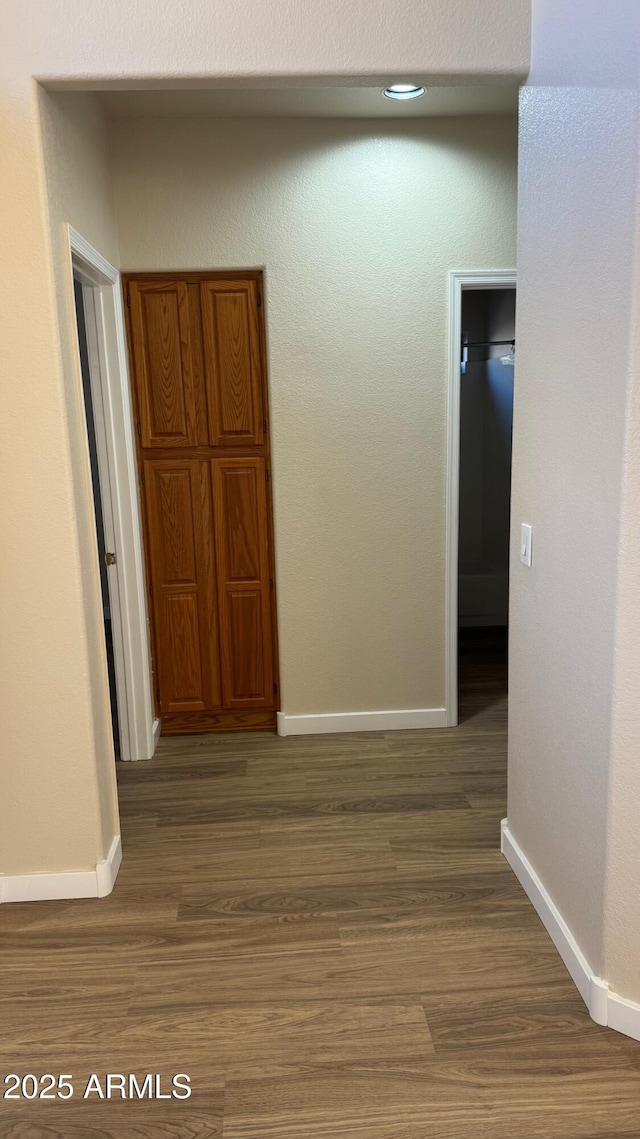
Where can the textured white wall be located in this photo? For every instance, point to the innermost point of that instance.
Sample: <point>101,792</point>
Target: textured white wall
<point>155,43</point>
<point>79,192</point>
<point>622,883</point>
<point>576,264</point>
<point>584,43</point>
<point>357,225</point>
<point>63,803</point>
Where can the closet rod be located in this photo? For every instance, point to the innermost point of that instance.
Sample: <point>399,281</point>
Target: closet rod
<point>487,343</point>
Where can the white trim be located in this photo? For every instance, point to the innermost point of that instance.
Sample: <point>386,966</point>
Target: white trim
<point>553,921</point>
<point>107,870</point>
<point>157,724</point>
<point>605,1007</point>
<point>66,884</point>
<point>119,489</point>
<point>458,280</point>
<point>402,719</point>
<point>623,1016</point>
<point>98,268</point>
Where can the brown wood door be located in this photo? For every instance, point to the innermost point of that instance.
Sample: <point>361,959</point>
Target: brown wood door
<point>197,361</point>
<point>163,370</point>
<point>181,555</point>
<point>232,362</point>
<point>242,554</point>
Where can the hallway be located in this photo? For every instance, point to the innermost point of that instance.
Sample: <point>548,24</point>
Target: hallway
<point>322,933</point>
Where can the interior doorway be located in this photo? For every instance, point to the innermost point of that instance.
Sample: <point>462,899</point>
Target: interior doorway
<point>97,319</point>
<point>104,555</point>
<point>481,390</point>
<point>487,362</point>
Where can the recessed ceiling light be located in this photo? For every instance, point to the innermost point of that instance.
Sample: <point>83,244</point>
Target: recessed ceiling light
<point>403,91</point>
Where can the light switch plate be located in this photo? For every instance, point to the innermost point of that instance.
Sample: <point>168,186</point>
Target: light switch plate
<point>526,543</point>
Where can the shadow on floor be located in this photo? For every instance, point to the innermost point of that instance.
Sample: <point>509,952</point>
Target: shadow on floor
<point>482,673</point>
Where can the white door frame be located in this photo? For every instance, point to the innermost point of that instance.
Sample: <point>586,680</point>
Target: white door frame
<point>112,412</point>
<point>458,281</point>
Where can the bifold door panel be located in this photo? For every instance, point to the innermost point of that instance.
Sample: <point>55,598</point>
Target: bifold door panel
<point>197,363</point>
<point>232,362</point>
<point>182,573</point>
<point>242,553</point>
<point>162,359</point>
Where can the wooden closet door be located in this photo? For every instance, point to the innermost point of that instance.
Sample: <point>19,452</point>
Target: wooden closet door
<point>232,362</point>
<point>241,532</point>
<point>181,554</point>
<point>161,343</point>
<point>197,364</point>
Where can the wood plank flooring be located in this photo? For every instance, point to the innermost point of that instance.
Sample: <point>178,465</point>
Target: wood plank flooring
<point>323,934</point>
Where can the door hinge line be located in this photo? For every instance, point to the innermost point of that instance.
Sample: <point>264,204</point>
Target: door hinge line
<point>139,427</point>
<point>259,299</point>
<point>266,474</point>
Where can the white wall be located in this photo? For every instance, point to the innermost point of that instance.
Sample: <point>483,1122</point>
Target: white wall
<point>573,778</point>
<point>63,803</point>
<point>357,224</point>
<point>622,881</point>
<point>81,42</point>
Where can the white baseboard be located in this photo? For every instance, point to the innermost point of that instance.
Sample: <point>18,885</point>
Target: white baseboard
<point>623,1015</point>
<point>553,921</point>
<point>404,718</point>
<point>155,733</point>
<point>604,1006</point>
<point>65,884</point>
<point>107,870</point>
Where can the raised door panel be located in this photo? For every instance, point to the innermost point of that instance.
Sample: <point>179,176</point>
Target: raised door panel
<point>231,339</point>
<point>242,557</point>
<point>179,515</point>
<point>161,338</point>
<point>181,680</point>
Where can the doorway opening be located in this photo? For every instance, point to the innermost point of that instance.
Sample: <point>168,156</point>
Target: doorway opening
<point>482,362</point>
<point>486,417</point>
<point>104,555</point>
<point>96,313</point>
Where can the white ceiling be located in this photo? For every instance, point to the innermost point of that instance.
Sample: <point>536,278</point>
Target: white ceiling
<point>310,102</point>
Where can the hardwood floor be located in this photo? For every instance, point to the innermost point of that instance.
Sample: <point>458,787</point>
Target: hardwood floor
<point>322,933</point>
